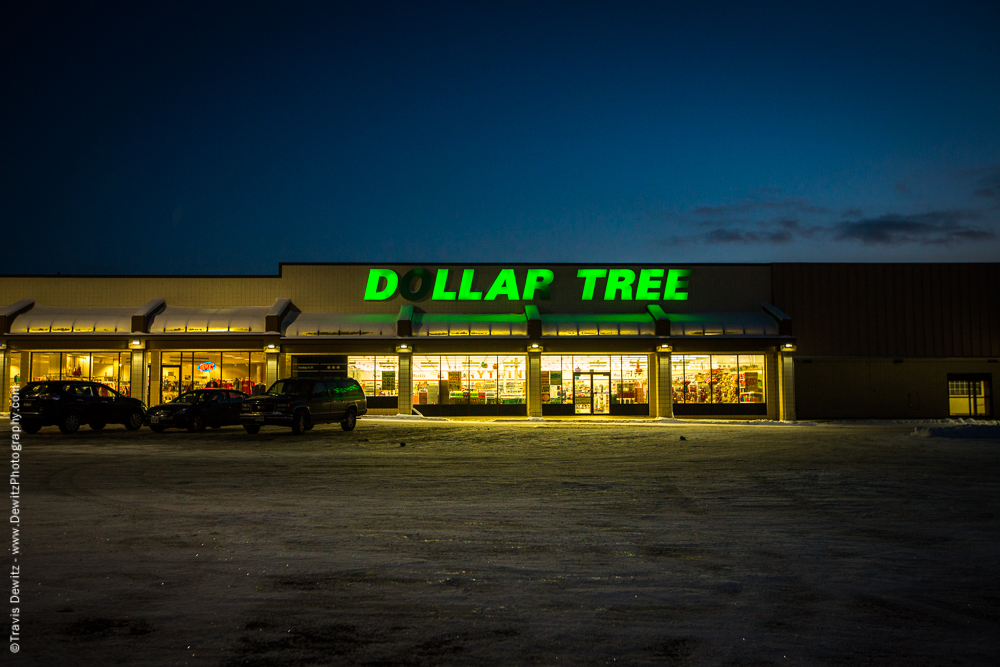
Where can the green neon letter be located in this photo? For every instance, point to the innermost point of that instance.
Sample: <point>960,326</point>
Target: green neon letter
<point>538,279</point>
<point>619,280</point>
<point>590,277</point>
<point>375,276</point>
<point>646,283</point>
<point>465,292</point>
<point>440,283</point>
<point>675,283</point>
<point>505,284</point>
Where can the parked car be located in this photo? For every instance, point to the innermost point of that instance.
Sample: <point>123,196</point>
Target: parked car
<point>194,410</point>
<point>303,402</point>
<point>70,403</point>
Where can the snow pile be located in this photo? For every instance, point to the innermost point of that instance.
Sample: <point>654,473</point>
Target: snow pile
<point>987,430</point>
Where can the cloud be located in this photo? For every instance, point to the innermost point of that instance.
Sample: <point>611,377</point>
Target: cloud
<point>933,228</point>
<point>988,183</point>
<point>755,206</point>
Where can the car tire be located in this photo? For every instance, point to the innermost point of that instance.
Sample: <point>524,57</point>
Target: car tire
<point>70,423</point>
<point>31,427</point>
<point>350,420</point>
<point>252,429</point>
<point>196,424</point>
<point>300,423</point>
<point>157,428</point>
<point>134,421</point>
<point>97,426</point>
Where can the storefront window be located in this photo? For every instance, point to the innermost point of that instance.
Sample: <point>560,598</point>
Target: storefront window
<point>112,369</point>
<point>376,375</point>
<point>970,395</point>
<point>75,366</point>
<point>628,376</point>
<point>717,378</point>
<point>469,380</point>
<point>45,366</point>
<point>186,371</point>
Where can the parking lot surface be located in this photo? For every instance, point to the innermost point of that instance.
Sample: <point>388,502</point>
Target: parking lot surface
<point>479,543</point>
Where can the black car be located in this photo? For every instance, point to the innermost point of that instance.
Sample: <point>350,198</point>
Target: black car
<point>70,403</point>
<point>302,402</point>
<point>194,410</point>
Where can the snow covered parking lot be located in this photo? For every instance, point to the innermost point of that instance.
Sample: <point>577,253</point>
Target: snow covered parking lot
<point>513,543</point>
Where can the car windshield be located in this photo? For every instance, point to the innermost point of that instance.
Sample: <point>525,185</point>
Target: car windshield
<point>193,397</point>
<point>294,387</point>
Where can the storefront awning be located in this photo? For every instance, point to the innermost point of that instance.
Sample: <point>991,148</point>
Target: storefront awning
<point>339,324</point>
<point>62,319</point>
<point>467,324</point>
<point>591,324</point>
<point>722,324</point>
<point>183,319</point>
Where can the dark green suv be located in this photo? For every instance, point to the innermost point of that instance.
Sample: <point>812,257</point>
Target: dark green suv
<point>303,402</point>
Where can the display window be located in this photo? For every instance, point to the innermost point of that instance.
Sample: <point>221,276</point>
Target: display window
<point>595,384</point>
<point>970,395</point>
<point>717,378</point>
<point>469,380</point>
<point>112,369</point>
<point>187,371</point>
<point>378,376</point>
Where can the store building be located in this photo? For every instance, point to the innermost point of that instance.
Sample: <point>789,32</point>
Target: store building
<point>723,341</point>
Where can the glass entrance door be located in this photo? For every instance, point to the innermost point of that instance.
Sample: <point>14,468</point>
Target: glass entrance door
<point>592,393</point>
<point>582,393</point>
<point>601,393</point>
<point>170,383</point>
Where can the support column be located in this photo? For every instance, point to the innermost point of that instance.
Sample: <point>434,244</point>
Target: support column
<point>664,384</point>
<point>155,376</point>
<point>772,392</point>
<point>786,369</point>
<point>284,366</point>
<point>405,383</point>
<point>139,374</point>
<point>535,383</point>
<point>271,368</point>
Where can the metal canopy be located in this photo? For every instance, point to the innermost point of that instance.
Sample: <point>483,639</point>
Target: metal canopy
<point>184,319</point>
<point>330,325</point>
<point>60,319</point>
<point>465,324</point>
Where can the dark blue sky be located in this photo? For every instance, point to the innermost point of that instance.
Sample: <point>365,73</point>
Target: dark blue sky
<point>166,137</point>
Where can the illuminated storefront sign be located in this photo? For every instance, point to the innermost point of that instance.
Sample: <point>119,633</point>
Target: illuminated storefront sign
<point>207,367</point>
<point>610,284</point>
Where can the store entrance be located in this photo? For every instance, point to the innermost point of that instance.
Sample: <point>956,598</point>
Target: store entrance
<point>170,383</point>
<point>592,393</point>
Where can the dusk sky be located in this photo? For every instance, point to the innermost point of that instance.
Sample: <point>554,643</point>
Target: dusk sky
<point>167,137</point>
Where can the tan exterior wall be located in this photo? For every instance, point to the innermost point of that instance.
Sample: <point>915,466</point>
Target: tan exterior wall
<point>879,388</point>
<point>341,287</point>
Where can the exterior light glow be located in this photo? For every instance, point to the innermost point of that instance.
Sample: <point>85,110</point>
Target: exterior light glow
<point>271,346</point>
<point>135,342</point>
<point>534,346</point>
